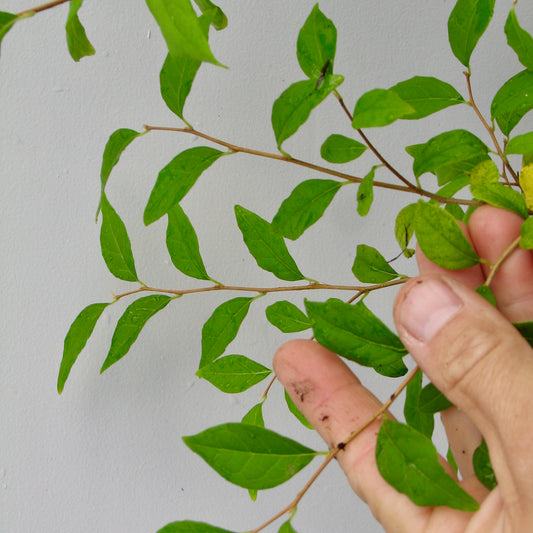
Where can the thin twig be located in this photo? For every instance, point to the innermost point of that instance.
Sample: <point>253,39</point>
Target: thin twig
<point>355,179</point>
<point>496,266</point>
<point>42,7</point>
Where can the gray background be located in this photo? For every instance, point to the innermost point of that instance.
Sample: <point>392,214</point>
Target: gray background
<point>107,455</point>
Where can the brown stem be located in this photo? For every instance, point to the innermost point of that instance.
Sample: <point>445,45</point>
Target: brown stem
<point>341,446</point>
<point>42,7</point>
<point>490,129</point>
<point>234,148</point>
<point>495,267</point>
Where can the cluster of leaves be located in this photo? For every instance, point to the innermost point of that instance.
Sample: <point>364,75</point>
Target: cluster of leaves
<point>247,453</point>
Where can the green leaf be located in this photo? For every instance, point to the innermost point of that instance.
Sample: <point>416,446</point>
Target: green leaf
<point>500,195</point>
<point>176,179</point>
<point>266,246</point>
<point>182,245</point>
<point>483,467</point>
<point>6,22</point>
<point>182,31</point>
<point>449,148</point>
<point>219,19</point>
<point>484,173</point>
<point>451,461</point>
<point>287,528</point>
<point>414,416</point>
<point>340,149</point>
<point>521,144</point>
<point>130,325</point>
<point>287,317</point>
<point>467,23</point>
<point>371,267</point>
<point>431,400</point>
<point>295,104</point>
<point>305,205</point>
<point>250,456</point>
<point>233,373</point>
<point>453,187</point>
<point>519,40</point>
<point>76,339</point>
<point>77,42</point>
<point>379,107</point>
<point>512,101</point>
<point>116,144</point>
<point>441,239</point>
<point>355,333</point>
<point>316,44</point>
<point>526,330</point>
<point>296,412</point>
<point>115,244</point>
<point>186,526</point>
<point>255,416</point>
<point>426,95</point>
<point>455,210</point>
<point>409,462</point>
<point>365,193</point>
<point>404,227</point>
<point>526,230</point>
<point>486,292</point>
<point>222,327</point>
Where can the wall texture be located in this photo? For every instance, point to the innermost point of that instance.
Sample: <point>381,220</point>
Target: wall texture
<point>106,456</point>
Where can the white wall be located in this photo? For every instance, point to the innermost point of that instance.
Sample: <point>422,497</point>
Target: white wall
<point>106,455</point>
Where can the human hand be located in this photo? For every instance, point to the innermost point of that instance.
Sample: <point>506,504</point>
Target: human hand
<point>474,355</point>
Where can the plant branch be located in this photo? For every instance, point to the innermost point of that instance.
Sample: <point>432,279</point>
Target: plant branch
<point>241,149</point>
<point>341,446</point>
<point>496,266</point>
<point>42,7</point>
<point>490,129</point>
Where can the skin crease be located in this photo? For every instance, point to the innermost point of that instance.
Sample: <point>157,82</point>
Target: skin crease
<point>470,350</point>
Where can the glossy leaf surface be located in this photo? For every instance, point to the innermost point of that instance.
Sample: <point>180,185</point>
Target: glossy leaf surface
<point>441,239</point>
<point>176,179</point>
<point>233,373</point>
<point>287,317</point>
<point>182,245</point>
<point>355,333</point>
<point>222,327</point>
<point>77,41</point>
<point>250,456</point>
<point>115,244</point>
<point>467,23</point>
<point>130,325</point>
<point>76,339</point>
<point>341,149</point>
<point>379,107</point>
<point>305,205</point>
<point>266,246</point>
<point>409,462</point>
<point>371,267</point>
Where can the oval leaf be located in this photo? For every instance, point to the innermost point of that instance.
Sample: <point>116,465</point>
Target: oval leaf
<point>233,373</point>
<point>182,245</point>
<point>519,40</point>
<point>254,416</point>
<point>414,416</point>
<point>371,267</point>
<point>130,325</point>
<point>483,467</point>
<point>266,246</point>
<point>176,179</point>
<point>340,149</point>
<point>512,101</point>
<point>295,104</point>
<point>77,42</point>
<point>441,239</point>
<point>365,193</point>
<point>186,526</point>
<point>404,228</point>
<point>287,317</point>
<point>355,333</point>
<point>222,327</point>
<point>296,412</point>
<point>115,244</point>
<point>426,95</point>
<point>316,43</point>
<point>500,195</point>
<point>76,339</point>
<point>409,462</point>
<point>379,107</point>
<point>250,456</point>
<point>305,205</point>
<point>467,23</point>
<point>521,144</point>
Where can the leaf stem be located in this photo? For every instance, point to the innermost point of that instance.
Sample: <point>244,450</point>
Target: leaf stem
<point>495,267</point>
<point>234,148</point>
<point>490,130</point>
<point>42,7</point>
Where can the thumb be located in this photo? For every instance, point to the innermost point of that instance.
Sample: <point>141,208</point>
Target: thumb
<point>477,359</point>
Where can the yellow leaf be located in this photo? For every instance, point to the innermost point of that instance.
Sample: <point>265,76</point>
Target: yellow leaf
<point>526,182</point>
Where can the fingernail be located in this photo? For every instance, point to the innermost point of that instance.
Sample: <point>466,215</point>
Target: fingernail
<point>428,306</point>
